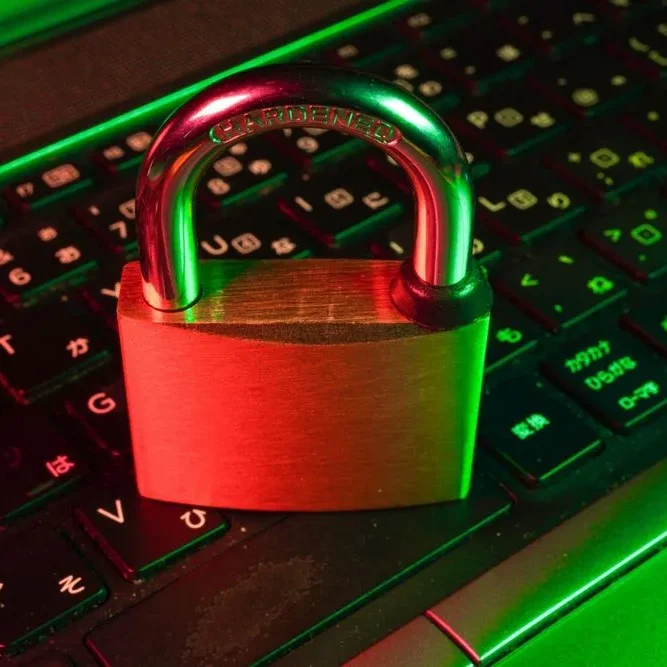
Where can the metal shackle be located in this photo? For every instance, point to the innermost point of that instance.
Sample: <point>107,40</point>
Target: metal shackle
<point>300,95</point>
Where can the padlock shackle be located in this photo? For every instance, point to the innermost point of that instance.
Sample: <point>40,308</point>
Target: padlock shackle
<point>299,95</point>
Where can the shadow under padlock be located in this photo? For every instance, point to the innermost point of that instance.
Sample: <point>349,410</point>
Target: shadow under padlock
<point>309,384</point>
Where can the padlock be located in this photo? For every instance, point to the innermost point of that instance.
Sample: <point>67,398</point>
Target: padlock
<point>314,384</point>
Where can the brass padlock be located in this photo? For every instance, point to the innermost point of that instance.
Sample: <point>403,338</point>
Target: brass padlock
<point>313,384</point>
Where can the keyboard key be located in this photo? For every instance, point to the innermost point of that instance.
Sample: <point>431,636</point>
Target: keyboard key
<point>536,436</point>
<point>398,243</point>
<point>101,408</point>
<point>52,660</point>
<point>110,215</point>
<point>554,27</point>
<point>34,192</point>
<point>481,56</point>
<point>311,146</point>
<point>315,568</point>
<point>624,9</point>
<point>339,207</point>
<point>508,121</point>
<point>44,583</point>
<point>521,203</point>
<point>561,285</point>
<point>46,346</point>
<point>510,334</point>
<point>379,161</point>
<point>589,83</point>
<point>435,18</point>
<point>648,116</point>
<point>632,235</point>
<point>645,42</point>
<point>43,255</point>
<point>612,375</point>
<point>245,170</point>
<point>139,535</point>
<point>363,47</point>
<point>101,294</point>
<point>259,232</point>
<point>648,319</point>
<point>412,72</point>
<point>124,152</point>
<point>36,461</point>
<point>479,164</point>
<point>605,161</point>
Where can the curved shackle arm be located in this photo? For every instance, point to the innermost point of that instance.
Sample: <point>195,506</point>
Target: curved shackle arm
<point>303,95</point>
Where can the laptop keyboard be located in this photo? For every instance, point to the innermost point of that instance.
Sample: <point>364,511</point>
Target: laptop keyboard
<point>561,108</point>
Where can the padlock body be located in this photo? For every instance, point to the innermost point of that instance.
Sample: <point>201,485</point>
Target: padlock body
<point>297,385</point>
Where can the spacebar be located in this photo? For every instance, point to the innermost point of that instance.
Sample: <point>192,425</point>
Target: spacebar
<point>264,596</point>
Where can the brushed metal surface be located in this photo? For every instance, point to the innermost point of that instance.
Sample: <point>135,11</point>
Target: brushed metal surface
<point>537,585</point>
<point>230,407</point>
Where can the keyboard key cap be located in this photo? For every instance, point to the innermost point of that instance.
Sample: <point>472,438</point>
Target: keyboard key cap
<point>101,294</point>
<point>46,346</point>
<point>536,436</point>
<point>510,334</point>
<point>612,375</point>
<point>624,9</point>
<point>52,660</point>
<point>589,83</point>
<point>43,255</point>
<point>245,170</point>
<point>110,215</point>
<point>554,27</point>
<point>45,583</point>
<point>339,207</point>
<point>435,18</point>
<point>319,567</point>
<point>648,116</point>
<point>140,535</point>
<point>645,42</point>
<point>398,243</point>
<point>101,408</point>
<point>479,164</point>
<point>481,56</point>
<point>36,461</point>
<point>521,203</point>
<point>412,72</point>
<point>605,161</point>
<point>257,232</point>
<point>363,47</point>
<point>311,146</point>
<point>648,319</point>
<point>34,192</point>
<point>561,285</point>
<point>124,152</point>
<point>632,235</point>
<point>509,121</point>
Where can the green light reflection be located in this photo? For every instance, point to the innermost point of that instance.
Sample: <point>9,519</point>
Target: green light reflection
<point>164,105</point>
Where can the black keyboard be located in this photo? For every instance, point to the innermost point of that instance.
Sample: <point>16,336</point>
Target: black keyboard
<point>562,111</point>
